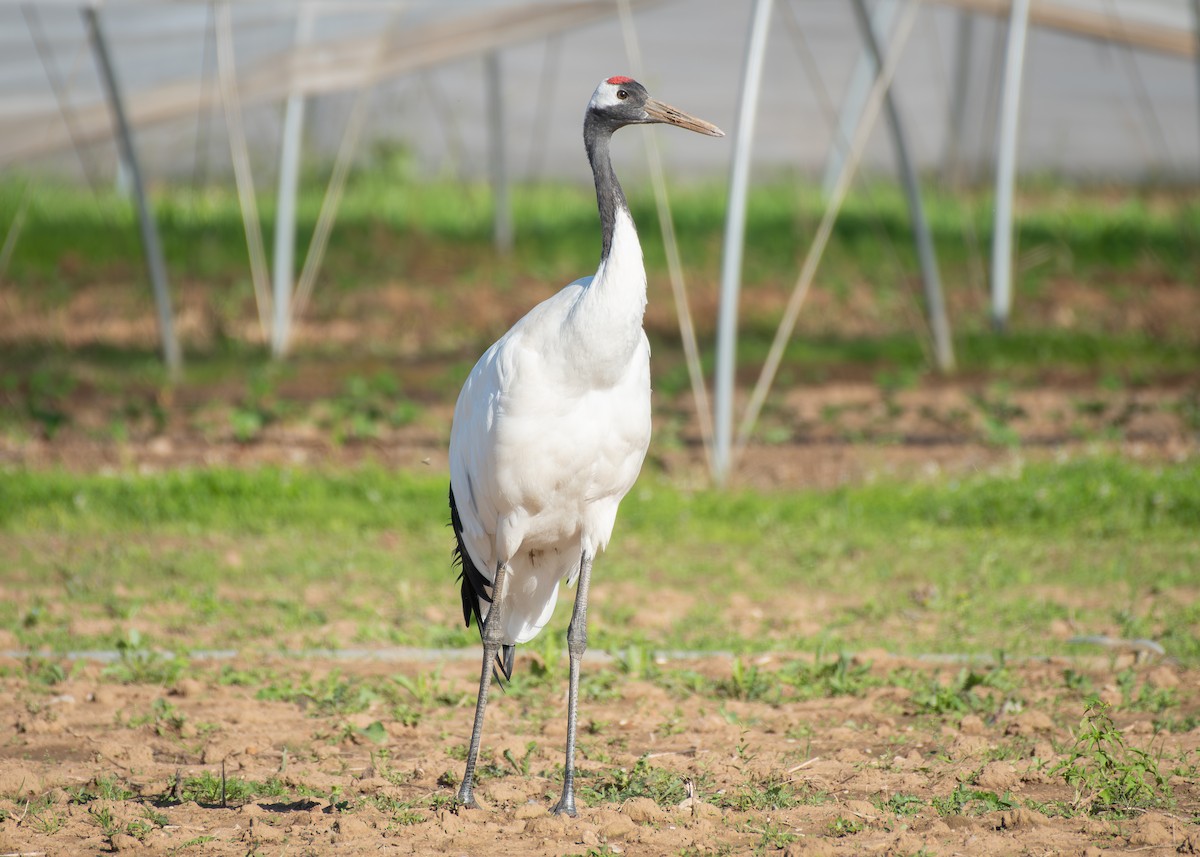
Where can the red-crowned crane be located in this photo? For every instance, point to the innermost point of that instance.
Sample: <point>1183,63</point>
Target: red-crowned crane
<point>550,431</point>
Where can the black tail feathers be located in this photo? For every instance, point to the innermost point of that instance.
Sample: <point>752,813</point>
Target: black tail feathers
<point>475,587</point>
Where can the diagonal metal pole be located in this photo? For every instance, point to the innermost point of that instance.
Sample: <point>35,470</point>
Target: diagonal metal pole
<point>935,304</point>
<point>1006,164</point>
<point>865,70</point>
<point>808,270</point>
<point>735,237</point>
<point>155,262</point>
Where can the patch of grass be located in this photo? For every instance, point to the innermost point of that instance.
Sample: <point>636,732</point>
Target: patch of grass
<point>842,827</point>
<point>104,787</point>
<point>103,548</point>
<point>331,694</point>
<point>965,800</point>
<point>618,785</point>
<point>1110,777</point>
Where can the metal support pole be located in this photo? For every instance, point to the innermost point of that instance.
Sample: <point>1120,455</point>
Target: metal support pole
<point>855,99</point>
<point>735,234</point>
<point>952,162</point>
<point>285,214</point>
<point>152,247</point>
<point>1006,164</point>
<point>943,345</point>
<point>1196,61</point>
<point>502,224</point>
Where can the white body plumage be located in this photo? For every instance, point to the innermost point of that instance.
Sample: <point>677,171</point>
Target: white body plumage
<point>550,431</point>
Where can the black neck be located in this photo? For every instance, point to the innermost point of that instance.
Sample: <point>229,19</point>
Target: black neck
<point>609,197</point>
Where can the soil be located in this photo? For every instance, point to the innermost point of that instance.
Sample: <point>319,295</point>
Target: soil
<point>850,774</point>
<point>90,765</point>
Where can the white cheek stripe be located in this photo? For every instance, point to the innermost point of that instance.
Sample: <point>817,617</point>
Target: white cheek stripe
<point>605,95</point>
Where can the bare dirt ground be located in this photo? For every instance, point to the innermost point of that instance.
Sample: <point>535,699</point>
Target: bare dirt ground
<point>96,767</point>
<point>686,758</point>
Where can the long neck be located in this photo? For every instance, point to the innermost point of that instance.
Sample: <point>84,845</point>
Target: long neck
<point>605,324</point>
<point>610,199</point>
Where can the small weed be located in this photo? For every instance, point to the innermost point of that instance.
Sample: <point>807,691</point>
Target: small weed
<point>774,837</point>
<point>901,805</point>
<point>765,795</point>
<point>332,694</point>
<point>1110,777</point>
<point>838,677</point>
<point>137,663</point>
<point>747,683</point>
<point>965,800</point>
<point>620,784</point>
<point>521,766</point>
<point>103,818</point>
<point>841,827</point>
<point>101,788</point>
<point>208,789</point>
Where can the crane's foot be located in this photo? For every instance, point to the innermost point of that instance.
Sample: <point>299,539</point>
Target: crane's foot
<point>566,806</point>
<point>466,798</point>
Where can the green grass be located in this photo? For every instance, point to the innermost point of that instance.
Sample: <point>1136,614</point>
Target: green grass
<point>267,558</point>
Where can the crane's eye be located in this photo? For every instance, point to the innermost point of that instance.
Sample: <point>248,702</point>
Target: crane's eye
<point>622,94</point>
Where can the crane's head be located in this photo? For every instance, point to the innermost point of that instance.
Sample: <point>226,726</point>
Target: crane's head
<point>620,101</point>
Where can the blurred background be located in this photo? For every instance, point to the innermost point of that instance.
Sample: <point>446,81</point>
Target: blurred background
<point>317,216</point>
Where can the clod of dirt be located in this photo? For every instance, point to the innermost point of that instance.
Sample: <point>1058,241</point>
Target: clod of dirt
<point>612,824</point>
<point>124,842</point>
<point>1020,818</point>
<point>530,810</point>
<point>349,826</point>
<point>972,724</point>
<point>19,781</point>
<point>1029,722</point>
<point>997,777</point>
<point>960,822</point>
<point>260,831</point>
<point>186,687</point>
<point>1152,830</point>
<point>969,746</point>
<point>505,791</point>
<point>1164,677</point>
<point>862,808</point>
<point>547,825</point>
<point>643,810</point>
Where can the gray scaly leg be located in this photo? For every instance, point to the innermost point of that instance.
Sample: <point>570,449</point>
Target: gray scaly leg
<point>576,645</point>
<point>491,645</point>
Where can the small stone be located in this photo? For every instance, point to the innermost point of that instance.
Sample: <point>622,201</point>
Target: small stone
<point>589,838</point>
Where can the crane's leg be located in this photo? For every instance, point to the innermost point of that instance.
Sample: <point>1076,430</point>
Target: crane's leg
<point>491,646</point>
<point>576,645</point>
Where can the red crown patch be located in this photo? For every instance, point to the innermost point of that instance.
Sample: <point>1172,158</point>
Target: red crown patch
<point>619,80</point>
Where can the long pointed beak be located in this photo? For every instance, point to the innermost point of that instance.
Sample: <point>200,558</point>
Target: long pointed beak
<point>659,112</point>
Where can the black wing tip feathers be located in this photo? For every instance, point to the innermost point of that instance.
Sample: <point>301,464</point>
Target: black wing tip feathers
<point>473,589</point>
